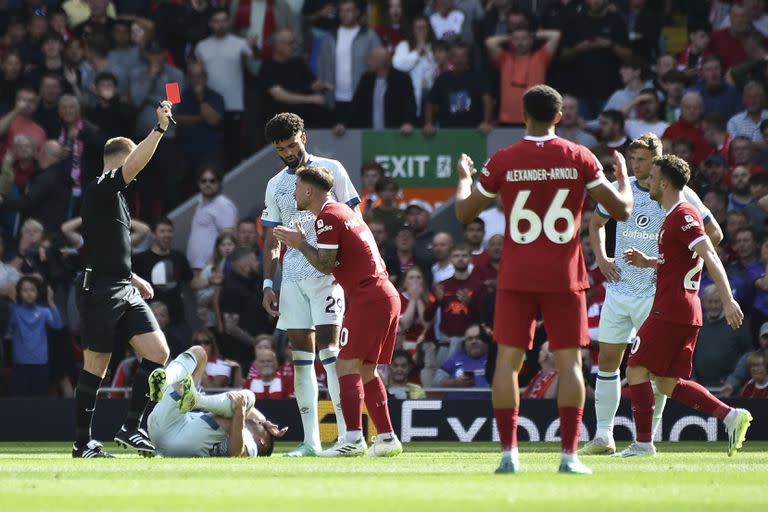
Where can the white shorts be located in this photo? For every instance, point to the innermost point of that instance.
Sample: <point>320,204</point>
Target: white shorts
<point>310,302</point>
<point>175,434</point>
<point>621,317</point>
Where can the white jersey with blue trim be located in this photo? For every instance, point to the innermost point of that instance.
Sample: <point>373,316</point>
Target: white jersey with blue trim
<point>280,210</point>
<point>641,231</point>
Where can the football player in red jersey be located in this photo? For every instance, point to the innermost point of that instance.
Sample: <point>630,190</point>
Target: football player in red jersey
<point>665,342</point>
<point>346,248</point>
<point>542,180</point>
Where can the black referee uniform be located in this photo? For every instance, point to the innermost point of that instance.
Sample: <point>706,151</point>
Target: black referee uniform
<point>111,311</point>
<point>110,307</point>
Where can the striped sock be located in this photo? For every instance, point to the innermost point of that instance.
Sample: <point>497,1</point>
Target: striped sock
<point>607,395</point>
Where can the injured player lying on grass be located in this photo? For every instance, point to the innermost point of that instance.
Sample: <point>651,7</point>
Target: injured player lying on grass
<point>186,423</point>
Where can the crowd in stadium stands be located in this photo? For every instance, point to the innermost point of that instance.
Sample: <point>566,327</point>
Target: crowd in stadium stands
<point>74,73</point>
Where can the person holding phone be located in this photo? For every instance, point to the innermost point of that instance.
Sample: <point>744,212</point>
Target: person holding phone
<point>466,368</point>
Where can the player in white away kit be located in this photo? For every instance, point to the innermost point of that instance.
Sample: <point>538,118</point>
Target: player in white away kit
<point>311,303</point>
<point>221,425</point>
<point>629,290</point>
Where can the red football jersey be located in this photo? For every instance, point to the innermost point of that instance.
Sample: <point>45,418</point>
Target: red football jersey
<point>360,270</point>
<point>753,390</point>
<point>542,181</point>
<point>678,272</point>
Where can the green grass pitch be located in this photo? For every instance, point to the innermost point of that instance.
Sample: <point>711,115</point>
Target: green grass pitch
<point>427,477</point>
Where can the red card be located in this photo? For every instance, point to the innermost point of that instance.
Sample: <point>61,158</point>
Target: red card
<point>172,92</point>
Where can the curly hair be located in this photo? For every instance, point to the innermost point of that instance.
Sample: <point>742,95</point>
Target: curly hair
<point>283,126</point>
<point>674,169</point>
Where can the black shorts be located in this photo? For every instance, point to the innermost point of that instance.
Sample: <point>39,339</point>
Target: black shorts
<point>111,313</point>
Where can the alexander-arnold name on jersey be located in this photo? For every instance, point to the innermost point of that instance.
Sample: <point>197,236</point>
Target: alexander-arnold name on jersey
<point>556,173</point>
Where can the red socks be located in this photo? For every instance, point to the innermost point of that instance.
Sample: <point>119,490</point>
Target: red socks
<point>376,403</point>
<point>696,396</point>
<point>352,400</point>
<point>642,411</point>
<point>570,426</point>
<point>506,421</point>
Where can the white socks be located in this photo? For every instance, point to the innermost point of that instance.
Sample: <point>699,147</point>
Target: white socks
<point>220,404</point>
<point>305,387</point>
<point>328,358</point>
<point>607,395</point>
<point>353,436</point>
<point>730,418</point>
<point>660,400</point>
<point>184,364</point>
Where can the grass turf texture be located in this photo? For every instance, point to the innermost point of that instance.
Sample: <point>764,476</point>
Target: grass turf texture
<point>427,477</point>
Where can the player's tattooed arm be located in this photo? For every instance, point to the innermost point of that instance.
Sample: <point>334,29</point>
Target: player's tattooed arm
<point>323,260</point>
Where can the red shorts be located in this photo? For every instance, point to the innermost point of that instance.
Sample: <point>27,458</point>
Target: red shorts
<point>564,314</point>
<point>664,348</point>
<point>369,331</point>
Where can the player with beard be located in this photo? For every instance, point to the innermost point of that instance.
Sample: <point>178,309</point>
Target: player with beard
<point>311,303</point>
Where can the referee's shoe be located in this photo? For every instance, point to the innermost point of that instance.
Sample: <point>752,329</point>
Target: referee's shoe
<point>137,440</point>
<point>92,450</point>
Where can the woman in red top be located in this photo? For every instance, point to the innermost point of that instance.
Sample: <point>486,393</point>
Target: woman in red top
<point>757,387</point>
<point>417,311</point>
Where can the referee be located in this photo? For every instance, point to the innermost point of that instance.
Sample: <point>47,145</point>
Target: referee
<point>110,297</point>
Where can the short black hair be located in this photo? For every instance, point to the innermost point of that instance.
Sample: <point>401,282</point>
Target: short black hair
<point>218,10</point>
<point>542,103</point>
<point>476,220</point>
<point>402,353</point>
<point>760,178</point>
<point>674,169</point>
<point>283,126</point>
<point>246,220</point>
<point>716,120</point>
<point>372,165</point>
<point>614,116</point>
<point>35,281</point>
<point>316,176</point>
<point>161,221</point>
<point>386,182</point>
<point>106,75</point>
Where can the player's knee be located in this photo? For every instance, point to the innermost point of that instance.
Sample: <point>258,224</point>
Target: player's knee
<point>199,354</point>
<point>609,359</point>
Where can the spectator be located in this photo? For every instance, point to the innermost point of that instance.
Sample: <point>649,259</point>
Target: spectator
<point>18,166</point>
<point>237,304</point>
<point>390,30</point>
<point>459,299</point>
<point>727,43</point>
<point>96,62</point>
<point>643,29</point>
<point>742,272</point>
<point>387,212</point>
<point>570,125</point>
<point>379,231</point>
<point>166,269</point>
<point>125,54</point>
<point>222,54</point>
<point>648,111</point>
<point>46,194</point>
<point>753,69</point>
<point>449,23</point>
<point>247,235</point>
<point>47,115</point>
<point>259,20</point>
<point>418,214</point>
<point>756,210</point>
<point>741,374</point>
<point>344,58</point>
<point>413,55</point>
<point>747,122</point>
<point>594,44</point>
<point>29,44</point>
<point>494,219</point>
<point>489,270</point>
<point>689,126</point>
<point>459,99</point>
<point>717,202</point>
<point>20,120</point>
<point>699,37</point>
<point>757,386</point>
<point>370,173</point>
<point>520,67</point>
<point>291,86</point>
<point>84,144</point>
<point>10,78</point>
<point>544,383</point>
<point>718,96</point>
<point>757,274</point>
<point>199,117</point>
<point>207,280</point>
<point>740,196</point>
<point>719,347</point>
<point>474,234</point>
<point>715,134</point>
<point>214,213</point>
<point>267,383</point>
<point>160,184</point>
<point>743,153</point>
<point>466,367</point>
<point>28,323</point>
<point>98,22</point>
<point>418,308</point>
<point>320,16</point>
<point>383,98</point>
<point>672,83</point>
<point>442,245</point>
<point>611,133</point>
<point>112,114</point>
<point>404,256</point>
<point>177,336</point>
<point>631,73</point>
<point>683,148</point>
<point>398,385</point>
<point>219,372</point>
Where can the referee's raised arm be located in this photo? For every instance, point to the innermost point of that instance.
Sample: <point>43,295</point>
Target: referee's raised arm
<point>140,156</point>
